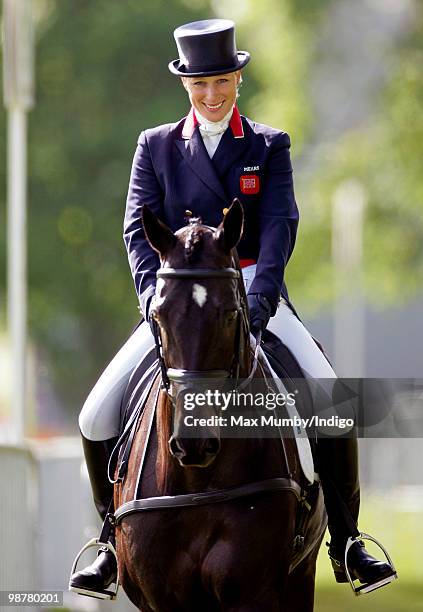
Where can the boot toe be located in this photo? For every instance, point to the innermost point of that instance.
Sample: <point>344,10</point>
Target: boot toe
<point>373,571</point>
<point>97,576</point>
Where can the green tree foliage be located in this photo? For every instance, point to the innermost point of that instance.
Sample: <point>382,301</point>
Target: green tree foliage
<point>385,155</point>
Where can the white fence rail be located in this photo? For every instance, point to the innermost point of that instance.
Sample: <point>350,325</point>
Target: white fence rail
<point>18,520</point>
<point>46,514</point>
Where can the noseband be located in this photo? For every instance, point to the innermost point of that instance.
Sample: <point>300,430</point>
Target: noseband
<point>181,376</point>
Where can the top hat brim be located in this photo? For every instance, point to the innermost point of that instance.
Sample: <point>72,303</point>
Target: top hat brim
<point>176,67</point>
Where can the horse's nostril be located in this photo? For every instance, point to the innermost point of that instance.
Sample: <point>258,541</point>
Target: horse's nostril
<point>194,452</point>
<point>212,446</point>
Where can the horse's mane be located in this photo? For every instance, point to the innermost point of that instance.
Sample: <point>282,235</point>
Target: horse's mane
<point>194,241</point>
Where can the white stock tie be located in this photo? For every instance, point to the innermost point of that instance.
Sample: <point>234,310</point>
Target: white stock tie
<point>212,131</point>
<point>213,128</point>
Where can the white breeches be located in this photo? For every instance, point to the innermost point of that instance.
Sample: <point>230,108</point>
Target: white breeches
<point>100,416</point>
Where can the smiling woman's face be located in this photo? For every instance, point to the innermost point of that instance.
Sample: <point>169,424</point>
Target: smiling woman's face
<point>213,97</point>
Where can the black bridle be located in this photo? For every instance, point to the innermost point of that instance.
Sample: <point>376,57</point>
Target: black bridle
<point>198,273</point>
<point>181,376</point>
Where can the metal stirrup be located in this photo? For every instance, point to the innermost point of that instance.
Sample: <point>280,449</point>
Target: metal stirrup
<point>97,542</point>
<point>368,588</point>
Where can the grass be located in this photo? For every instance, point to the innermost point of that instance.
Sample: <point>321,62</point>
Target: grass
<point>399,596</point>
<point>400,528</point>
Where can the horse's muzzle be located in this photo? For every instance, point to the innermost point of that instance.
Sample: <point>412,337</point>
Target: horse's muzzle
<point>194,452</point>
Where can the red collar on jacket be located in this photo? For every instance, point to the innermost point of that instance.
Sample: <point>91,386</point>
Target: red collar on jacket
<point>235,124</point>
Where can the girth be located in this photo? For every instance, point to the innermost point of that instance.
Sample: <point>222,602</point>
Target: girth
<point>208,497</point>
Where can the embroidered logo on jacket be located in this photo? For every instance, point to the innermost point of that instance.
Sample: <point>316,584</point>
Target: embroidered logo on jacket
<point>249,184</point>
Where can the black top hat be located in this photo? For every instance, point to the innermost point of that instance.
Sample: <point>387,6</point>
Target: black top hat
<point>207,48</point>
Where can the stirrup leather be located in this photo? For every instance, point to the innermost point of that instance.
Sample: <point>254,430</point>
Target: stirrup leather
<point>369,587</point>
<point>105,594</point>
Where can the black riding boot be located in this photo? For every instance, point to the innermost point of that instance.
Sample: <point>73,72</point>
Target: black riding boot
<point>338,469</point>
<point>96,578</point>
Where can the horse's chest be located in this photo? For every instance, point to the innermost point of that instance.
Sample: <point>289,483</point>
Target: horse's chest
<point>206,544</point>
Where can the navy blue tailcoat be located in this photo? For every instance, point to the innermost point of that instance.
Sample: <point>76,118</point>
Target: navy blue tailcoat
<point>172,172</point>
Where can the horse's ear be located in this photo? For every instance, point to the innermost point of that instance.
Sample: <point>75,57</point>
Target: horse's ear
<point>159,235</point>
<point>229,231</point>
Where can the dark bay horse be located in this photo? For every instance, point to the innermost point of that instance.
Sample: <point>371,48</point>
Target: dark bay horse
<point>224,535</point>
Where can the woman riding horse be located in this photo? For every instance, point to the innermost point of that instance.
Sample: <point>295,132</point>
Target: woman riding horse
<point>201,163</point>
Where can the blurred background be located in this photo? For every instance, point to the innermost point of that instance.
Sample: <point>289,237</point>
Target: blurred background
<point>344,78</point>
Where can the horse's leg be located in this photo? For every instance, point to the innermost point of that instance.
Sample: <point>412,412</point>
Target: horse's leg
<point>300,587</point>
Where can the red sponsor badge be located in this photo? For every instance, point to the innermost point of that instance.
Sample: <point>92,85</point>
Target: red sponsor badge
<point>249,183</point>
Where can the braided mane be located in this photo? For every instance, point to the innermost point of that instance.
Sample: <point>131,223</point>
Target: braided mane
<point>194,240</point>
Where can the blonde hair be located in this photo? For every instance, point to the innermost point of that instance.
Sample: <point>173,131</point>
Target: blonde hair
<point>238,86</point>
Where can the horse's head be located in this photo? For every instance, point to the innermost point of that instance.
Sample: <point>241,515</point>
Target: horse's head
<point>201,316</point>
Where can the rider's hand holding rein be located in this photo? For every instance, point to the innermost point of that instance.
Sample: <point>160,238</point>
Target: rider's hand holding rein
<point>260,312</point>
